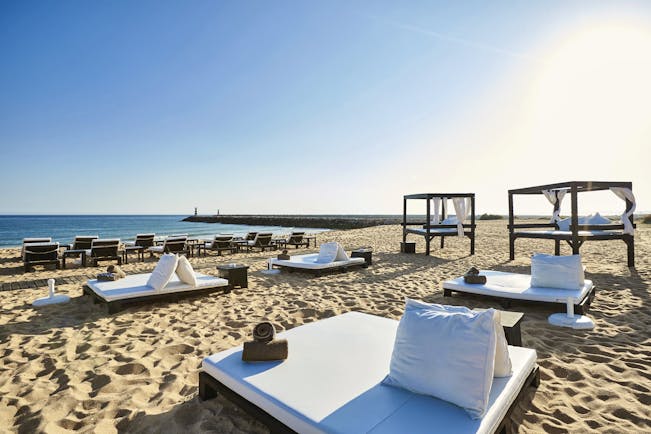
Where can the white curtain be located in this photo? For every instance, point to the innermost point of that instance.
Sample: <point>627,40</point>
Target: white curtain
<point>626,193</point>
<point>554,196</point>
<point>436,218</point>
<point>461,208</point>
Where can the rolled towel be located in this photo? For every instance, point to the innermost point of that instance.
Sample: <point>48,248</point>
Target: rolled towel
<point>264,332</point>
<point>265,351</point>
<point>284,256</point>
<point>107,277</point>
<point>473,277</point>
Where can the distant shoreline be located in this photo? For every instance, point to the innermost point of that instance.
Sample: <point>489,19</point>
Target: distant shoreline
<point>305,221</point>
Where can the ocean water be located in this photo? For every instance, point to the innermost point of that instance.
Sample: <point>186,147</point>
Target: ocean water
<point>63,228</point>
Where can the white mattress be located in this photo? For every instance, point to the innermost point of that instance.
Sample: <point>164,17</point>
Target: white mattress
<point>135,285</point>
<point>517,286</point>
<point>331,383</point>
<point>569,233</point>
<point>308,262</point>
<point>433,231</point>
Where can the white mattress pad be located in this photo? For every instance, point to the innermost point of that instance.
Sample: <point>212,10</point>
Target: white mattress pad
<point>517,286</point>
<point>331,382</point>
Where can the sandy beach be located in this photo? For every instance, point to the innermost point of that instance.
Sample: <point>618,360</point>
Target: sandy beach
<point>73,367</point>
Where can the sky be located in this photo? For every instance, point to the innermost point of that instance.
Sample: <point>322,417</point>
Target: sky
<point>333,107</point>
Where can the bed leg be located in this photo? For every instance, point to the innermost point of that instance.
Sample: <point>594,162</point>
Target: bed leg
<point>511,247</point>
<point>427,242</point>
<point>472,244</point>
<point>557,247</point>
<point>630,250</point>
<point>442,242</point>
<point>206,392</point>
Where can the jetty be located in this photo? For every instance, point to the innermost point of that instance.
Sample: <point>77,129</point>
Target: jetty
<point>302,221</point>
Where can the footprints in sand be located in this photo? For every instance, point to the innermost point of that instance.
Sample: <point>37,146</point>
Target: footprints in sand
<point>131,369</point>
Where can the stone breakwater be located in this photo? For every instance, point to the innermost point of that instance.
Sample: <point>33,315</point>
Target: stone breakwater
<point>320,222</point>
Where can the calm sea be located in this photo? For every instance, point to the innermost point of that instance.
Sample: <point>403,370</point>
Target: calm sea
<point>63,228</point>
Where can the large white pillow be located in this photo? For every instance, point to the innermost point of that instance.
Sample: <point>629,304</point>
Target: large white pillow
<point>327,253</point>
<point>563,272</point>
<point>163,272</point>
<point>185,271</point>
<point>564,225</point>
<point>447,355</point>
<point>503,366</point>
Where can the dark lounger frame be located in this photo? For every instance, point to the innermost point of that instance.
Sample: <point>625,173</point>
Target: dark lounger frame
<point>209,388</point>
<point>580,308</point>
<point>573,239</point>
<point>118,305</point>
<point>468,229</point>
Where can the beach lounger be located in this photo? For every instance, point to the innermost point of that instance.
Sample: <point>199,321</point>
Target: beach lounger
<point>511,286</point>
<point>32,241</point>
<point>104,250</point>
<point>172,244</point>
<point>40,254</point>
<point>221,243</point>
<point>296,239</point>
<point>261,241</point>
<point>133,289</point>
<point>330,257</point>
<point>332,383</point>
<point>142,240</point>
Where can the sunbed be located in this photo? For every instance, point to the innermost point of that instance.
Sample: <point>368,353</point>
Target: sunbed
<point>511,286</point>
<point>330,257</point>
<point>261,241</point>
<point>172,244</point>
<point>332,383</point>
<point>40,254</point>
<point>104,250</point>
<point>221,243</point>
<point>296,239</point>
<point>133,288</point>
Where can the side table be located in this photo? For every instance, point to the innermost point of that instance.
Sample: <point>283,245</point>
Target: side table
<point>73,253</point>
<point>366,253</point>
<point>236,274</point>
<point>140,252</point>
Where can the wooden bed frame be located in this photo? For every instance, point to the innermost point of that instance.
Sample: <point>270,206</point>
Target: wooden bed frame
<point>317,273</point>
<point>118,305</point>
<point>468,229</point>
<point>574,239</point>
<point>209,388</point>
<point>580,309</point>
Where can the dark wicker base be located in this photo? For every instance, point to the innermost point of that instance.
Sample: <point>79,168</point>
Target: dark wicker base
<point>118,305</point>
<point>580,308</point>
<point>209,388</point>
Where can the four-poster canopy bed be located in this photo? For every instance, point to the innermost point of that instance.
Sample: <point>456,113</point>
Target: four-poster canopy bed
<point>576,230</point>
<point>440,224</point>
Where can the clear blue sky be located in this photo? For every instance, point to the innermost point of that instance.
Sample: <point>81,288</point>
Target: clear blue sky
<point>317,107</point>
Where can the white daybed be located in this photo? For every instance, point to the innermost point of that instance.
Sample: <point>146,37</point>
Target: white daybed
<point>331,257</point>
<point>133,288</point>
<point>518,287</point>
<point>331,383</point>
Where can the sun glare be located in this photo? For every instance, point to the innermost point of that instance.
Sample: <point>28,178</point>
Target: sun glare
<point>595,92</point>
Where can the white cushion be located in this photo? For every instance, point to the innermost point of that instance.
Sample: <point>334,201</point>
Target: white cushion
<point>563,272</point>
<point>450,221</point>
<point>445,354</point>
<point>503,367</point>
<point>597,219</point>
<point>185,272</point>
<point>163,272</point>
<point>327,252</point>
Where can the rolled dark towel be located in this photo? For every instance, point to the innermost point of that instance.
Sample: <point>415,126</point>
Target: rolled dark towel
<point>265,351</point>
<point>475,279</point>
<point>107,277</point>
<point>284,255</point>
<point>264,332</point>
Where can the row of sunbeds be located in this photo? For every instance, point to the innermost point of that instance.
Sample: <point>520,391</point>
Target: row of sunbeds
<point>43,251</point>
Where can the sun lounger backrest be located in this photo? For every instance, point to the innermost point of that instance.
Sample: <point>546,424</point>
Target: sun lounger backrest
<point>222,241</point>
<point>32,241</point>
<point>41,252</point>
<point>263,239</point>
<point>174,245</point>
<point>145,240</point>
<point>83,242</point>
<point>251,236</point>
<point>296,237</point>
<point>104,248</point>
